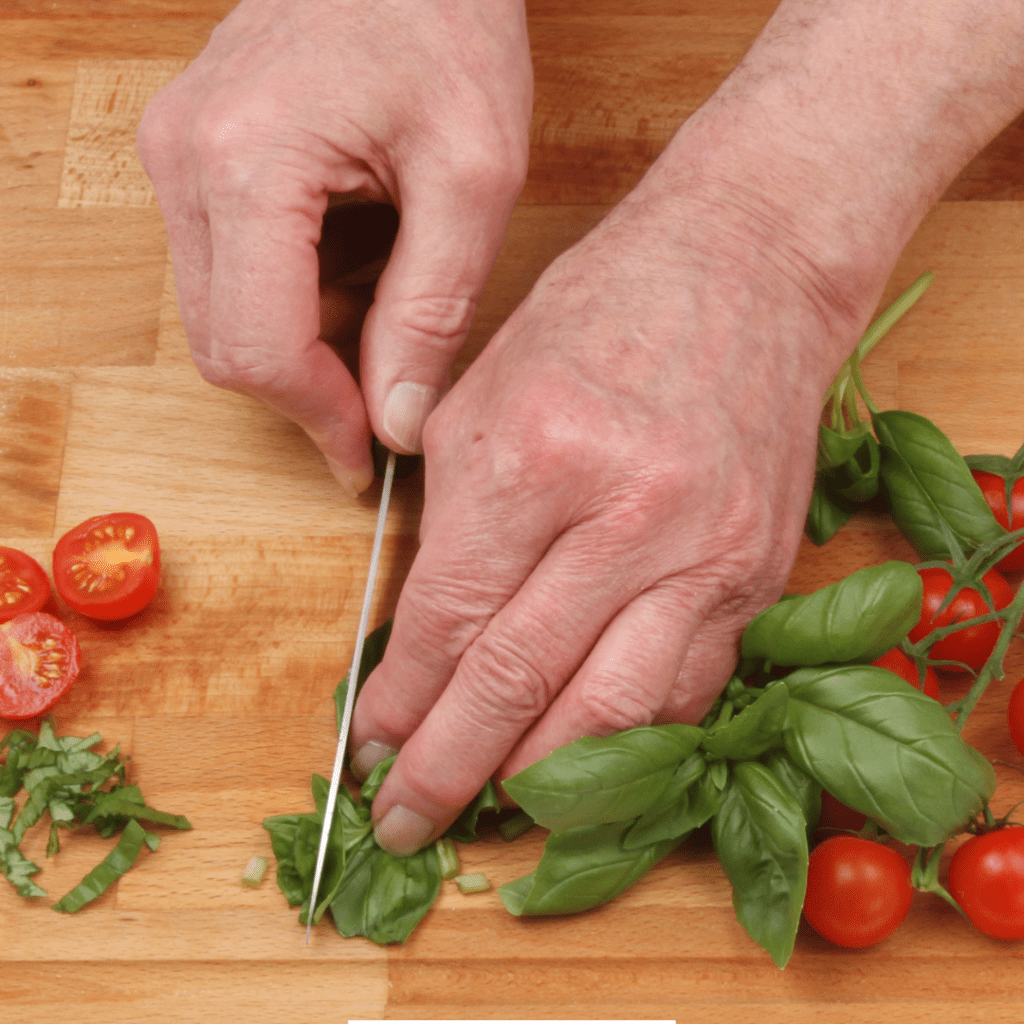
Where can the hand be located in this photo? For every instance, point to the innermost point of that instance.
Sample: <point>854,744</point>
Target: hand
<point>614,488</point>
<point>426,106</point>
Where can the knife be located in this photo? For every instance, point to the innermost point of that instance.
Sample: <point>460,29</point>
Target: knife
<point>353,680</point>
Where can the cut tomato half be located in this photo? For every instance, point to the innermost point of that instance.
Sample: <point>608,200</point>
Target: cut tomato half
<point>39,659</point>
<point>109,566</point>
<point>24,586</point>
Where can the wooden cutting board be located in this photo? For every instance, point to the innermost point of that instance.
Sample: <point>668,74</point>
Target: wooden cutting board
<point>221,690</point>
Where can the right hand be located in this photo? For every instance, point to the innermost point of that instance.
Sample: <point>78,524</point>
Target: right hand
<point>426,106</point>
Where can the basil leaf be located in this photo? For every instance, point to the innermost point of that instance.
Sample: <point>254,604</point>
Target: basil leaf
<point>857,619</point>
<point>826,513</point>
<point>885,749</point>
<point>581,868</point>
<point>929,483</point>
<point>463,829</point>
<point>689,800</point>
<point>760,836</point>
<point>857,478</point>
<point>16,867</point>
<point>999,465</point>
<point>596,781</point>
<point>108,871</point>
<point>382,896</point>
<point>373,654</point>
<point>805,790</point>
<point>757,728</point>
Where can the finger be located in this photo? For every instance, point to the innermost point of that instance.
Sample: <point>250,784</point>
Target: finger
<point>627,677</point>
<point>448,238</point>
<point>264,327</point>
<point>504,681</point>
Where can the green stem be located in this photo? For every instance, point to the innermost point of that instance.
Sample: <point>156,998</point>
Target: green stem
<point>881,327</point>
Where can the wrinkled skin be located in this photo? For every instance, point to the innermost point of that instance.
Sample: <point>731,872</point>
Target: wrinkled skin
<point>619,481</point>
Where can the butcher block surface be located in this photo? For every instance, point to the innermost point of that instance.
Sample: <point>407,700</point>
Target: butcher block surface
<point>221,691</point>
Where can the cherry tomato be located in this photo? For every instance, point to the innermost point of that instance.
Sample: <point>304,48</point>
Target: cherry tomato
<point>858,891</point>
<point>836,815</point>
<point>993,487</point>
<point>986,877</point>
<point>1015,716</point>
<point>896,661</point>
<point>24,587</point>
<point>39,660</point>
<point>974,644</point>
<point>109,566</point>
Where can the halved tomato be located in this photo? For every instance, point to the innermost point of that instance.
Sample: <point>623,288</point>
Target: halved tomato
<point>24,587</point>
<point>109,566</point>
<point>39,660</point>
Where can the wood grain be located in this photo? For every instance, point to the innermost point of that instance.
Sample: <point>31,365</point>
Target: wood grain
<point>221,690</point>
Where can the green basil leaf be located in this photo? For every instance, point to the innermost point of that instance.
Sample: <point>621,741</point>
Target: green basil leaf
<point>827,512</point>
<point>885,749</point>
<point>760,836</point>
<point>857,478</point>
<point>16,867</point>
<point>757,728</point>
<point>373,655</point>
<point>857,619</point>
<point>581,868</point>
<point>805,790</point>
<point>929,483</point>
<point>689,800</point>
<point>108,871</point>
<point>596,781</point>
<point>382,896</point>
<point>463,829</point>
<point>834,448</point>
<point>996,464</point>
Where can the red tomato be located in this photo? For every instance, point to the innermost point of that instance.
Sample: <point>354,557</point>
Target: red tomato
<point>896,661</point>
<point>986,877</point>
<point>993,487</point>
<point>974,644</point>
<point>39,660</point>
<point>858,891</point>
<point>836,815</point>
<point>109,566</point>
<point>1015,716</point>
<point>24,587</point>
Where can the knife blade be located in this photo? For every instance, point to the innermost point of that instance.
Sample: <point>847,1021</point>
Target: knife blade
<point>353,679</point>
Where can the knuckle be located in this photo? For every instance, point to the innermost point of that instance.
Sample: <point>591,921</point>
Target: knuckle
<point>611,707</point>
<point>503,682</point>
<point>440,322</point>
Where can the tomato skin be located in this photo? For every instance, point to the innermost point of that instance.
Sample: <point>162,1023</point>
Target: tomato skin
<point>836,815</point>
<point>39,659</point>
<point>24,585</point>
<point>108,567</point>
<point>858,891</point>
<point>897,662</point>
<point>993,487</point>
<point>986,877</point>
<point>974,644</point>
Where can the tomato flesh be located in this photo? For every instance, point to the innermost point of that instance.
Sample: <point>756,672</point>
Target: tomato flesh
<point>858,891</point>
<point>897,662</point>
<point>986,877</point>
<point>109,566</point>
<point>24,587</point>
<point>836,815</point>
<point>971,645</point>
<point>993,487</point>
<point>39,659</point>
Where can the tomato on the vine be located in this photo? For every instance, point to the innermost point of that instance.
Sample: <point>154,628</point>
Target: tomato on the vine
<point>897,662</point>
<point>986,877</point>
<point>24,587</point>
<point>109,566</point>
<point>39,659</point>
<point>993,487</point>
<point>858,891</point>
<point>971,645</point>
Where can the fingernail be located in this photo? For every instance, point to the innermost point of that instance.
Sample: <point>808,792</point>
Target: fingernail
<point>367,757</point>
<point>352,481</point>
<point>406,410</point>
<point>403,832</point>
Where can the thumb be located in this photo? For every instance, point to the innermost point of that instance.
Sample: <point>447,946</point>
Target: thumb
<point>425,302</point>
